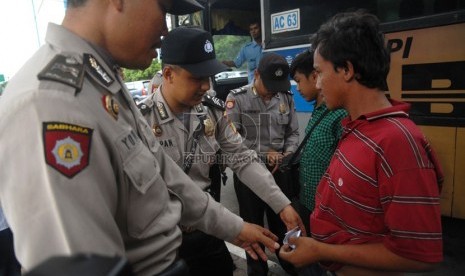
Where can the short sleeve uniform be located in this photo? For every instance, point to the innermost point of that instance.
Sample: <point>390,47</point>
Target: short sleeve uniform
<point>92,177</point>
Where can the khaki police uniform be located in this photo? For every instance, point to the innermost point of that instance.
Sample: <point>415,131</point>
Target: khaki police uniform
<point>87,174</point>
<point>264,127</point>
<point>205,254</point>
<point>218,133</point>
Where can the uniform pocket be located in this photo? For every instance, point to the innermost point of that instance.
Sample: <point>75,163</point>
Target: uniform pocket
<point>148,193</point>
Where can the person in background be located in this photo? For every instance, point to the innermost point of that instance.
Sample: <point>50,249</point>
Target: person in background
<point>156,81</point>
<point>9,265</point>
<point>325,127</point>
<point>264,114</point>
<point>189,123</point>
<point>97,181</point>
<point>377,205</point>
<point>251,52</point>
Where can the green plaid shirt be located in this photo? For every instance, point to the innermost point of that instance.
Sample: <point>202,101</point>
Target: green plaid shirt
<point>318,151</point>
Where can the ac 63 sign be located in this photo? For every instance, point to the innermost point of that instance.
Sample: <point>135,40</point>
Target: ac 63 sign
<point>285,21</point>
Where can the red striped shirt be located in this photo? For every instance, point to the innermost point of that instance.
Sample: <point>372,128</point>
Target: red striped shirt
<point>382,186</point>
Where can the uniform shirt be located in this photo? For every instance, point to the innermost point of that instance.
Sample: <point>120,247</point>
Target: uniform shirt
<point>382,186</point>
<point>264,127</point>
<point>318,150</point>
<point>251,53</point>
<point>3,223</point>
<point>218,134</point>
<point>93,178</point>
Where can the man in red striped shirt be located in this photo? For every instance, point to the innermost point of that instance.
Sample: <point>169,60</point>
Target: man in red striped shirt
<point>377,206</point>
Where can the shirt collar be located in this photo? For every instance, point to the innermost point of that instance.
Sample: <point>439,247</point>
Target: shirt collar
<point>398,109</point>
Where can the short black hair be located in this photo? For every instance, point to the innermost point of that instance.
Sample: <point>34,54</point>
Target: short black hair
<point>303,63</point>
<point>254,21</point>
<point>355,37</point>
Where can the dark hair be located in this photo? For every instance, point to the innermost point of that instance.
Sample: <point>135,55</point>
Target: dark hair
<point>254,21</point>
<point>303,63</point>
<point>355,37</point>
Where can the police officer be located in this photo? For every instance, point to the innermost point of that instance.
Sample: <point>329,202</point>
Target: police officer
<point>264,114</point>
<point>81,169</point>
<point>192,132</point>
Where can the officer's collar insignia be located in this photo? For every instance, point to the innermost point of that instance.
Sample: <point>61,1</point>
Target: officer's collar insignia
<point>157,130</point>
<point>97,70</point>
<point>67,147</point>
<point>199,108</point>
<point>208,46</point>
<point>282,108</point>
<point>209,127</point>
<point>111,106</point>
<point>162,111</point>
<point>64,69</point>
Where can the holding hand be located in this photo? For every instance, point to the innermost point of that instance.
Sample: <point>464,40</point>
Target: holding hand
<point>250,237</point>
<point>291,219</point>
<point>305,252</point>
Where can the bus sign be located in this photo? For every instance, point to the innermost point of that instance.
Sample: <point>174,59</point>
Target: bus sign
<point>285,21</point>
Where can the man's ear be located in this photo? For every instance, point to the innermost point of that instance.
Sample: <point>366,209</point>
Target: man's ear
<point>348,71</point>
<point>168,73</point>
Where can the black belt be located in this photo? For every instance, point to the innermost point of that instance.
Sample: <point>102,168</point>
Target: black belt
<point>178,268</point>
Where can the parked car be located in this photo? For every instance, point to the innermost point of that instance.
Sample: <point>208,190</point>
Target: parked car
<point>138,89</point>
<point>230,74</point>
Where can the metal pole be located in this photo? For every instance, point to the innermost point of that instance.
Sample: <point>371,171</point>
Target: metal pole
<point>35,22</point>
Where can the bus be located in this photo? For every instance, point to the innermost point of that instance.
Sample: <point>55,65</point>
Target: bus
<point>426,39</point>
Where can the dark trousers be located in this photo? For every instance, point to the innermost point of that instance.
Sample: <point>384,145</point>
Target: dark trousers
<point>304,214</point>
<point>8,263</point>
<point>252,209</point>
<point>205,255</point>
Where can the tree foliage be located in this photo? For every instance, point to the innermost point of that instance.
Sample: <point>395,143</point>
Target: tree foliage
<point>147,74</point>
<point>226,47</point>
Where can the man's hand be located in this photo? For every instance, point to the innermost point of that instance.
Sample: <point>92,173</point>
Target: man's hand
<point>291,219</point>
<point>305,252</point>
<point>250,237</point>
<point>274,159</point>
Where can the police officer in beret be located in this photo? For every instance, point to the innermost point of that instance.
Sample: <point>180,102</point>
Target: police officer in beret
<point>81,169</point>
<point>190,126</point>
<point>264,113</point>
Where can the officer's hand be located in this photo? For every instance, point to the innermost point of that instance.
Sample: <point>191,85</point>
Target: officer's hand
<point>291,219</point>
<point>274,158</point>
<point>305,252</point>
<point>250,237</point>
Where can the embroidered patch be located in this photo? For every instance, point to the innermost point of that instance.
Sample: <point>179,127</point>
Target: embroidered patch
<point>67,147</point>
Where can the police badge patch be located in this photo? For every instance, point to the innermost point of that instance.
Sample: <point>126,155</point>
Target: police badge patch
<point>67,147</point>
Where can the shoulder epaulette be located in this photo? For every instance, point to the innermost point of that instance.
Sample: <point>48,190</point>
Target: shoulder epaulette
<point>239,90</point>
<point>213,102</point>
<point>64,69</point>
<point>145,106</point>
